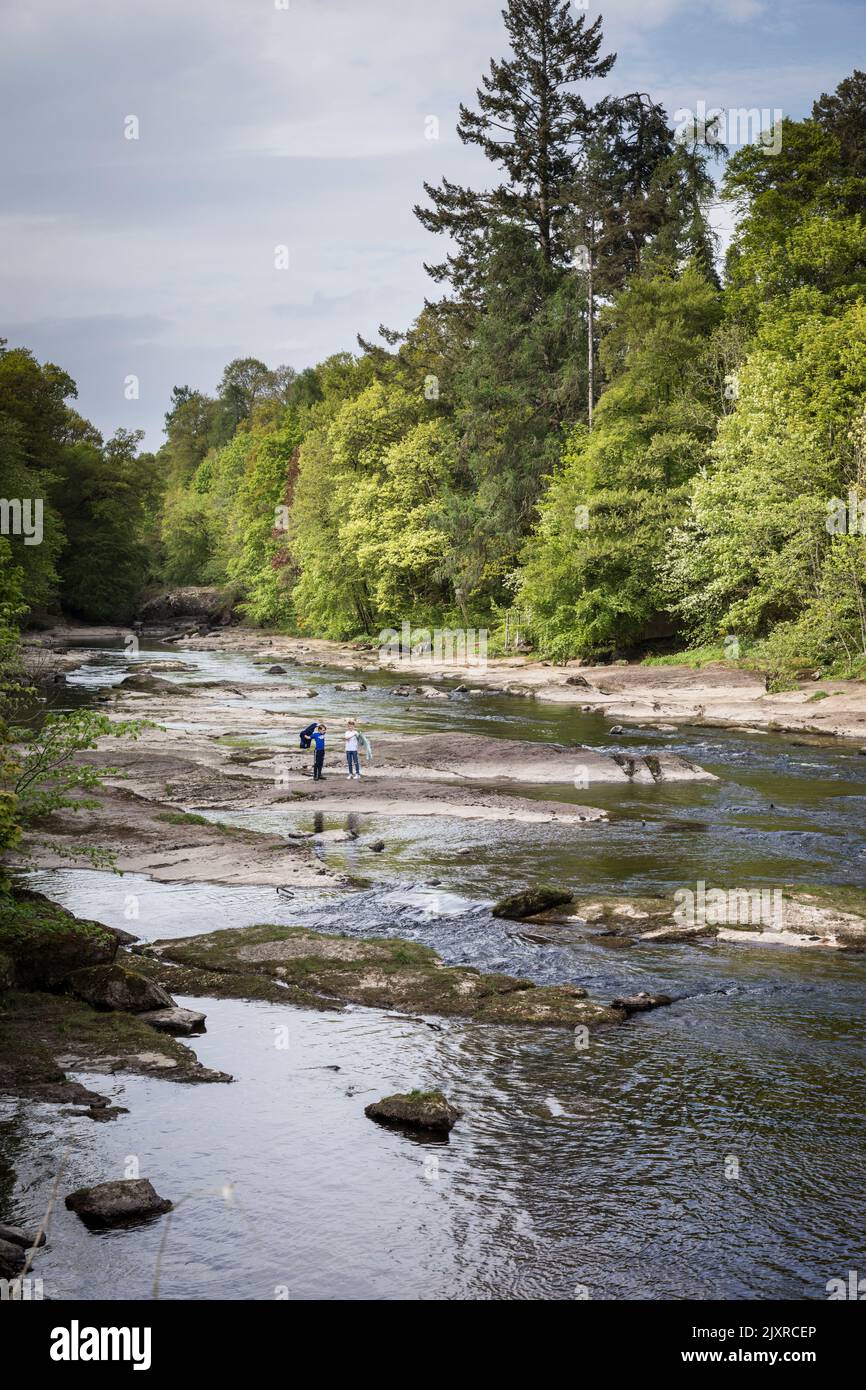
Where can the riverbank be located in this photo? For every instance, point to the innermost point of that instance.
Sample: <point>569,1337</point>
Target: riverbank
<point>715,696</point>
<point>219,745</point>
<point>55,971</point>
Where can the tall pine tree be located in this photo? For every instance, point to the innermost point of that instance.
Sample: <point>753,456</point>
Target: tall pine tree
<point>532,123</point>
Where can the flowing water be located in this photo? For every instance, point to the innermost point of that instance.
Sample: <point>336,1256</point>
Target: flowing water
<point>710,1149</point>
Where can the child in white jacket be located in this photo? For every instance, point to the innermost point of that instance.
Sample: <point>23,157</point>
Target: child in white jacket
<point>351,736</point>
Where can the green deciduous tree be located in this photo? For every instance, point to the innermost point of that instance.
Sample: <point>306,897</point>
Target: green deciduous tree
<point>592,572</point>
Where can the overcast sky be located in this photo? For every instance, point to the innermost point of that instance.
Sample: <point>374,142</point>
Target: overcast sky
<point>297,123</point>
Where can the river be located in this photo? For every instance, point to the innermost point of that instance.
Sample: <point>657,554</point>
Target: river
<point>713,1149</point>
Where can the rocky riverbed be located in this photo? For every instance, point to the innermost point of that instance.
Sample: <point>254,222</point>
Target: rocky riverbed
<point>588,1022</point>
<point>722,695</point>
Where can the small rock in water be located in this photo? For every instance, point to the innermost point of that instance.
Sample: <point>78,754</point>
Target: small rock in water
<point>532,900</point>
<point>617,729</point>
<point>377,846</point>
<point>275,671</point>
<point>116,1203</point>
<point>640,1003</point>
<point>351,686</point>
<point>427,1110</point>
<point>178,1021</point>
<point>14,1235</point>
<point>101,1113</point>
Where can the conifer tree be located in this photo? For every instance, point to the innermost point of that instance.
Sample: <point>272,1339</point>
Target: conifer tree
<point>532,123</point>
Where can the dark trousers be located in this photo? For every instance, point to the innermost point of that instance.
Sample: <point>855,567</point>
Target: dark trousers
<point>318,763</point>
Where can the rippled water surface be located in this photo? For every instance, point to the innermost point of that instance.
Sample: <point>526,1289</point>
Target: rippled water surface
<point>710,1149</point>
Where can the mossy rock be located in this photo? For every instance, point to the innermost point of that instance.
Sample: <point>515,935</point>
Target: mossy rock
<point>386,973</point>
<point>117,1203</point>
<point>45,942</point>
<point>43,1034</point>
<point>530,901</point>
<point>213,984</point>
<point>425,1110</point>
<point>116,987</point>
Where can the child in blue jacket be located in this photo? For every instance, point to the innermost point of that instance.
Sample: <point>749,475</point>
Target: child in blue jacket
<point>318,738</point>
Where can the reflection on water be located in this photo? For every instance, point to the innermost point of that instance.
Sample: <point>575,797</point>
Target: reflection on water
<point>710,1149</point>
<point>605,1168</point>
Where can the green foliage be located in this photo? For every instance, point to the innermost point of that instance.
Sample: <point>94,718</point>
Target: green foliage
<point>591,577</point>
<point>364,521</point>
<point>260,563</point>
<point>11,608</point>
<point>47,777</point>
<point>105,498</point>
<point>753,552</point>
<point>187,539</point>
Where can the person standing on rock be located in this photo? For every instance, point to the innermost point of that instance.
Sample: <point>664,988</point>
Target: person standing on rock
<point>351,736</point>
<point>319,755</point>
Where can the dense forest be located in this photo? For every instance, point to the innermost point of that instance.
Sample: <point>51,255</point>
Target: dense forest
<point>592,419</point>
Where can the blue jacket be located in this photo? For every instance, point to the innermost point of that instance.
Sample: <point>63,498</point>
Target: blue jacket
<point>319,741</point>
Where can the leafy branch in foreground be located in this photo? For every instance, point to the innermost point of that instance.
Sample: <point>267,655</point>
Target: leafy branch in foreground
<point>43,774</point>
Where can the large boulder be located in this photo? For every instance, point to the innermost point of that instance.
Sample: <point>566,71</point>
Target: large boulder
<point>44,942</point>
<point>530,901</point>
<point>192,601</point>
<point>115,987</point>
<point>117,1203</point>
<point>427,1110</point>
